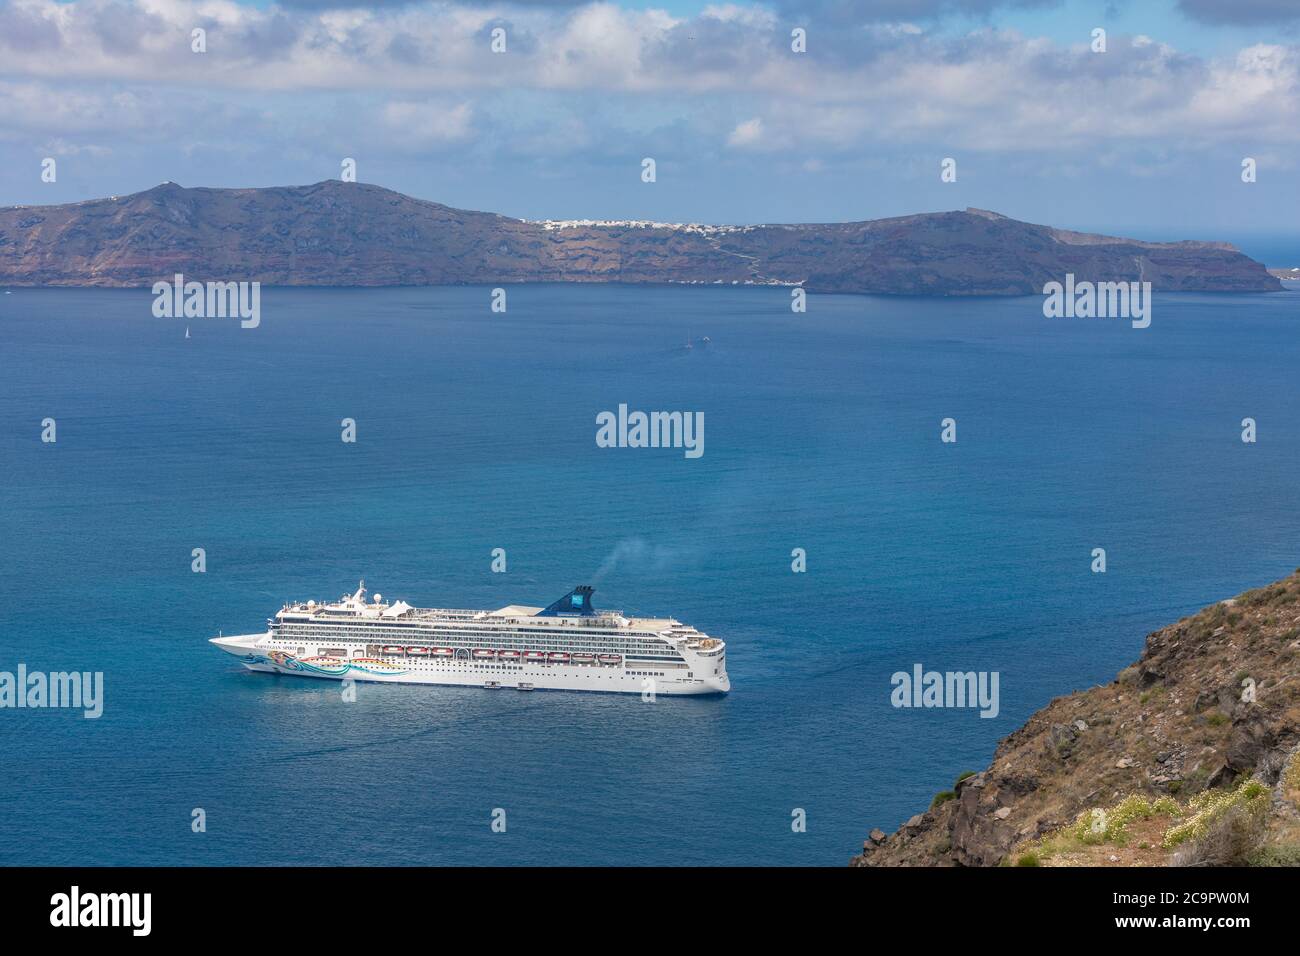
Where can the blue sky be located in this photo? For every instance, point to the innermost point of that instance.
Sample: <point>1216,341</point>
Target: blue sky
<point>1146,138</point>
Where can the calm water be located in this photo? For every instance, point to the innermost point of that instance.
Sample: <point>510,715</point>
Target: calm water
<point>476,431</point>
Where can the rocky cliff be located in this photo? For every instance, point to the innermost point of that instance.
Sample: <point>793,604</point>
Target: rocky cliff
<point>353,234</point>
<point>1189,756</point>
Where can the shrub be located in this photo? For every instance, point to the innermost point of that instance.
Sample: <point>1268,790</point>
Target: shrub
<point>1096,826</point>
<point>1224,829</point>
<point>1028,859</point>
<point>940,798</point>
<point>1279,854</point>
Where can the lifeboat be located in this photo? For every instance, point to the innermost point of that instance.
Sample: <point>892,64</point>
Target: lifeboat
<point>508,655</point>
<point>481,654</point>
<point>443,652</point>
<point>418,651</point>
<point>584,658</point>
<point>534,656</point>
<point>610,659</point>
<point>393,649</point>
<point>558,657</point>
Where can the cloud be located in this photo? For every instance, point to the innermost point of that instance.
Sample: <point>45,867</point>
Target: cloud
<point>848,12</point>
<point>425,124</point>
<point>746,134</point>
<point>1248,12</point>
<point>381,4</point>
<point>598,78</point>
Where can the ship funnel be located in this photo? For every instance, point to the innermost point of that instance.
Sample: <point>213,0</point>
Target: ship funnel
<point>577,603</point>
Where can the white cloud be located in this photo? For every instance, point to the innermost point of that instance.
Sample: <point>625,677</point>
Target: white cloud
<point>986,90</point>
<point>746,134</point>
<point>428,123</point>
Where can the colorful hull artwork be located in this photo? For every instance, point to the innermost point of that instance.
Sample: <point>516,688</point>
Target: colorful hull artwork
<point>325,666</point>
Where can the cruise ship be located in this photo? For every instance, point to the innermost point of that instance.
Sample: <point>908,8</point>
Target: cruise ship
<point>569,645</point>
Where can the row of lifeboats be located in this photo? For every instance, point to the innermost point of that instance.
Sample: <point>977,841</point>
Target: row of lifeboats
<point>531,657</point>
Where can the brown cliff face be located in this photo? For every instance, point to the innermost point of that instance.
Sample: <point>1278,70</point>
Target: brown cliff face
<point>1176,724</point>
<point>354,234</point>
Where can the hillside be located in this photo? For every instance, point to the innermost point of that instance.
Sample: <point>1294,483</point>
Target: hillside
<point>354,234</point>
<point>1173,763</point>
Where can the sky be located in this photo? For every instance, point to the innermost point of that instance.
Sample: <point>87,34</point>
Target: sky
<point>1146,138</point>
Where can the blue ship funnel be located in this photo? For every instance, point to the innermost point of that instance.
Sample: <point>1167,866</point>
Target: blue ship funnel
<point>577,603</point>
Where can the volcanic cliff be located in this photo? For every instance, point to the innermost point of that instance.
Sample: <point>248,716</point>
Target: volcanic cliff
<point>1188,757</point>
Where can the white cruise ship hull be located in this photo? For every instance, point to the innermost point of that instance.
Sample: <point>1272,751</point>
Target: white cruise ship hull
<point>258,652</point>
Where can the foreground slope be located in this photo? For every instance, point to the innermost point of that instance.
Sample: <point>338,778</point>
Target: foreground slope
<point>1188,757</point>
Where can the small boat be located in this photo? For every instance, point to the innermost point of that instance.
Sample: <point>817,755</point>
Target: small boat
<point>483,655</point>
<point>558,657</point>
<point>524,687</point>
<point>584,658</point>
<point>610,659</point>
<point>443,652</point>
<point>418,651</point>
<point>392,649</point>
<point>187,331</point>
<point>536,656</point>
<point>508,655</point>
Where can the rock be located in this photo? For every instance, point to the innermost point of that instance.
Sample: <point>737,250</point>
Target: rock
<point>1080,726</point>
<point>1017,784</point>
<point>1125,762</point>
<point>877,835</point>
<point>1221,777</point>
<point>1060,740</point>
<point>1251,738</point>
<point>1002,813</point>
<point>979,840</point>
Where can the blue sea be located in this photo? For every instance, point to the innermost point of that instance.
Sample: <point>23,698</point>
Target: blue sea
<point>476,430</point>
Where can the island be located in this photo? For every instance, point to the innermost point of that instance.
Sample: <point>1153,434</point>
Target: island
<point>334,233</point>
